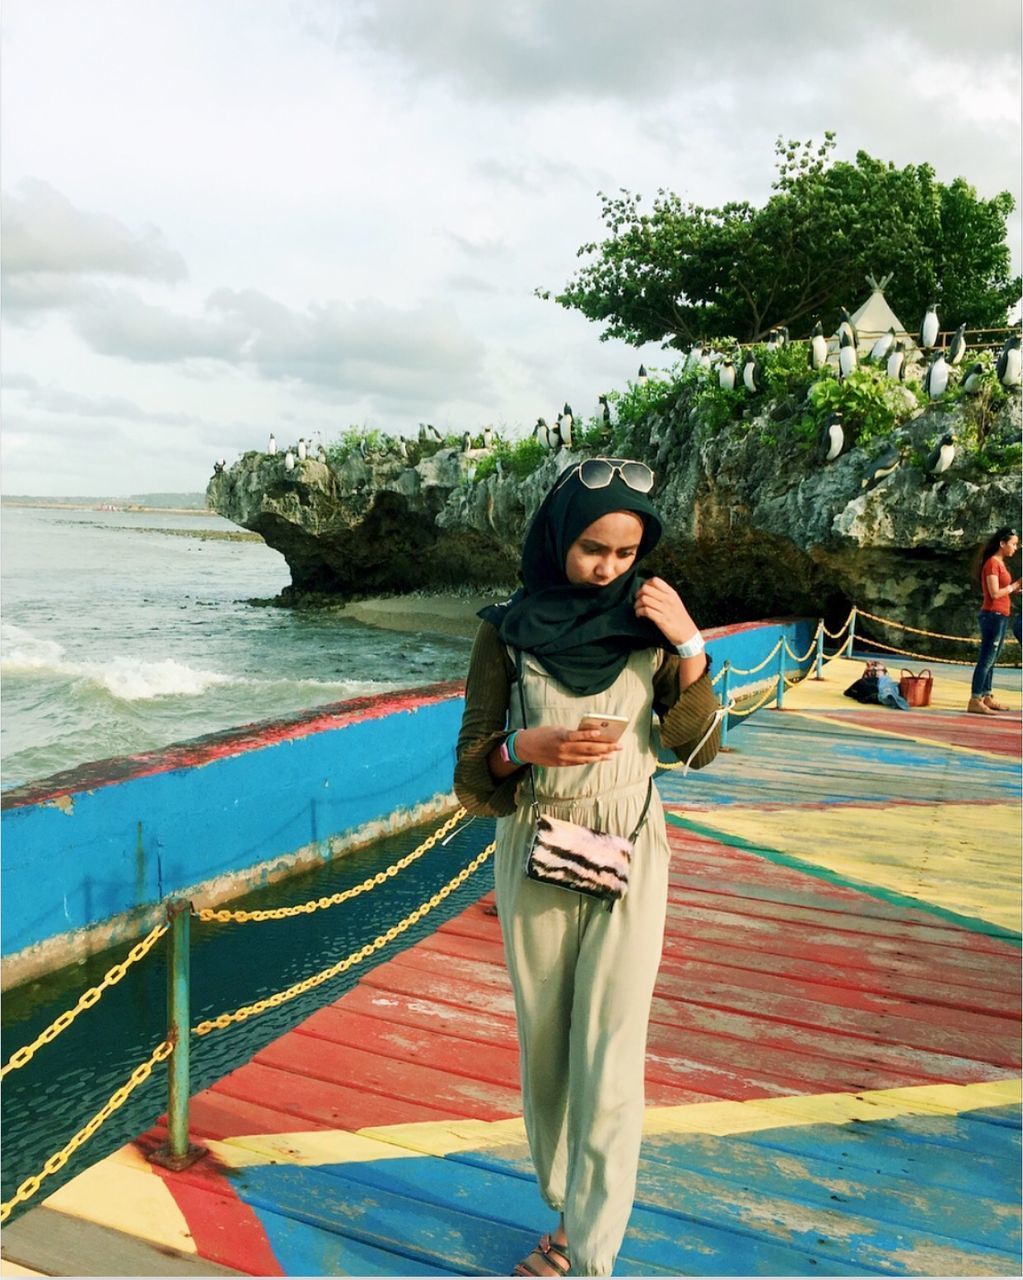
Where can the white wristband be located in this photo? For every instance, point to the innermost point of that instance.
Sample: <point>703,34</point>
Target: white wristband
<point>692,647</point>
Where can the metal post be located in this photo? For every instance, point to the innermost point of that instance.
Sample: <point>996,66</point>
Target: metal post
<point>852,632</point>
<point>780,697</point>
<point>726,672</point>
<point>820,651</point>
<point>178,1152</point>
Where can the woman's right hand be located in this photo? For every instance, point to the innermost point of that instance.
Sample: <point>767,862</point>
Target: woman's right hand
<point>556,745</point>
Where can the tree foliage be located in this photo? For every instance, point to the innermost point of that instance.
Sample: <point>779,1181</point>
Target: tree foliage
<point>682,273</point>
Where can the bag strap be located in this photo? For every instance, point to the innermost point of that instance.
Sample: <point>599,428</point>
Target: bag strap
<point>532,783</point>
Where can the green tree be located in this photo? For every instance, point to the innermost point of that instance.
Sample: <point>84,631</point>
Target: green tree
<point>683,272</point>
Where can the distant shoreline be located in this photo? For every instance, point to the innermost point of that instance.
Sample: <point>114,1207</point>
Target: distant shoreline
<point>102,504</point>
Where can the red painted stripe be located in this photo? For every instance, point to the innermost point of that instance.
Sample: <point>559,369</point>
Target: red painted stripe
<point>223,1228</point>
<point>1000,734</point>
<point>229,742</point>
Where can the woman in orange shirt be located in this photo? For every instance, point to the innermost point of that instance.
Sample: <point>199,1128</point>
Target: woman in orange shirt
<point>997,585</point>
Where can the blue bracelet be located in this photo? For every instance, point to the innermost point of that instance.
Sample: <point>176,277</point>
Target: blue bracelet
<point>509,744</point>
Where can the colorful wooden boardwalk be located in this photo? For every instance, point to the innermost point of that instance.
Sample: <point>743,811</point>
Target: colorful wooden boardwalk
<point>833,1068</point>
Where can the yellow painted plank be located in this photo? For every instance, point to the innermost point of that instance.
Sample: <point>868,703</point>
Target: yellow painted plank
<point>963,858</point>
<point>440,1138</point>
<point>13,1269</point>
<point>124,1193</point>
<point>321,1146</point>
<point>723,1118</point>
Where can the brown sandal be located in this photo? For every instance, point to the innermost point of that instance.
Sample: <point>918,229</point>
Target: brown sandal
<point>554,1254</point>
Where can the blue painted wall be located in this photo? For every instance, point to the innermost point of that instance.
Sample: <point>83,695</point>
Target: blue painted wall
<point>123,840</point>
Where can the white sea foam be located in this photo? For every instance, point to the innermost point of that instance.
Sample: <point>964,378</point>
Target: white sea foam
<point>136,680</point>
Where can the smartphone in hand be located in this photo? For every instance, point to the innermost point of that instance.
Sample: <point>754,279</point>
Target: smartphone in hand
<point>611,727</point>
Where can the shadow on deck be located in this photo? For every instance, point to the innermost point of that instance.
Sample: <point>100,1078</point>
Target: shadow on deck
<point>833,1065</point>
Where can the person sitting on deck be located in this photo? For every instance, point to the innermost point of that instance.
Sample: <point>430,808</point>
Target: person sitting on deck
<point>584,634</point>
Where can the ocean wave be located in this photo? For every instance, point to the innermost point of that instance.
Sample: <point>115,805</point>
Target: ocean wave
<point>138,680</point>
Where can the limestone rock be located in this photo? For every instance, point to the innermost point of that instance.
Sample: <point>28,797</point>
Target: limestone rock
<point>755,524</point>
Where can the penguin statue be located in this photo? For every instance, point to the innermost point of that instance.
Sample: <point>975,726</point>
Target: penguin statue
<point>881,468</point>
<point>694,358</point>
<point>321,454</point>
<point>845,325</point>
<point>726,374</point>
<point>488,437</point>
<point>957,346</point>
<point>642,376</point>
<point>936,377</point>
<point>940,458</point>
<point>896,366</point>
<point>929,327</point>
<point>846,354</point>
<point>882,347</point>
<point>302,450</point>
<point>466,442</point>
<point>271,448</point>
<point>1007,369</point>
<point>832,437</point>
<point>818,347</point>
<point>751,374</point>
<point>604,410</point>
<point>972,378</point>
<point>289,461</point>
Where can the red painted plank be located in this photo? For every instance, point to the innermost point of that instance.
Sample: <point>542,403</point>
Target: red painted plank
<point>213,1114</point>
<point>851,924</point>
<point>312,1059</point>
<point>327,1104</point>
<point>876,1025</point>
<point>999,734</point>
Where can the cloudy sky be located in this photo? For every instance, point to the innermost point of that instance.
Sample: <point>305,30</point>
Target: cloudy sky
<point>226,217</point>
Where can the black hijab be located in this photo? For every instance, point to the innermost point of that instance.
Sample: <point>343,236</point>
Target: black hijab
<point>582,635</point>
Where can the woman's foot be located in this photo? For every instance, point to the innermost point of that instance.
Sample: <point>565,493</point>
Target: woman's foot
<point>549,1258</point>
<point>980,708</point>
<point>989,701</point>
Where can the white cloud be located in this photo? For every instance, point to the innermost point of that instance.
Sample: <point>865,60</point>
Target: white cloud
<point>367,194</point>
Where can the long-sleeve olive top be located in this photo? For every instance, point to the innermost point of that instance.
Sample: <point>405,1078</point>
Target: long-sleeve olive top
<point>684,714</point>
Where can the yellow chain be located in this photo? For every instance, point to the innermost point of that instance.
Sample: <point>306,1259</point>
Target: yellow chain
<point>736,671</point>
<point>85,1001</point>
<point>318,904</point>
<point>902,626</point>
<point>715,679</point>
<point>57,1161</point>
<point>927,657</point>
<point>811,649</point>
<point>768,697</point>
<point>225,1020</point>
<point>834,635</point>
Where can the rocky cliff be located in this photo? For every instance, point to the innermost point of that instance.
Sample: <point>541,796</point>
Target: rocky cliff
<point>757,524</point>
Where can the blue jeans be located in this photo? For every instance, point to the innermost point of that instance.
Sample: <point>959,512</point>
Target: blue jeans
<point>992,636</point>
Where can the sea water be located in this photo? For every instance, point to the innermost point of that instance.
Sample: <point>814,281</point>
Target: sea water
<point>125,631</point>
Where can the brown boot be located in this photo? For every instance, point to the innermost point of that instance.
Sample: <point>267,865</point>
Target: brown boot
<point>979,707</point>
<point>989,701</point>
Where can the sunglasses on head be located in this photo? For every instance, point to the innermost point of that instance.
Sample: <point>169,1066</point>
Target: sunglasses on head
<point>597,473</point>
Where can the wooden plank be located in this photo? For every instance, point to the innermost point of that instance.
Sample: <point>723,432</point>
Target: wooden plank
<point>57,1244</point>
<point>311,1059</point>
<point>335,1105</point>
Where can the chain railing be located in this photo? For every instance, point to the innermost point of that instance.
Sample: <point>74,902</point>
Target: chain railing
<point>242,1014</point>
<point>177,1124</point>
<point>85,1001</point>
<point>60,1158</point>
<point>335,899</point>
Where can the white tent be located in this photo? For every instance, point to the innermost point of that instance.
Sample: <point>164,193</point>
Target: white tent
<point>875,317</point>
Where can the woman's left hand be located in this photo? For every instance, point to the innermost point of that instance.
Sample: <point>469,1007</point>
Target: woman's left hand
<point>662,604</point>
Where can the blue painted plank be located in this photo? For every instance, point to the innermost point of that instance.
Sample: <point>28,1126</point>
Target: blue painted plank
<point>305,1250</point>
<point>819,1176</point>
<point>906,1150</point>
<point>654,1239</point>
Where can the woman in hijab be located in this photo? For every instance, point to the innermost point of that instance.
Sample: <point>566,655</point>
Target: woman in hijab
<point>589,636</point>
